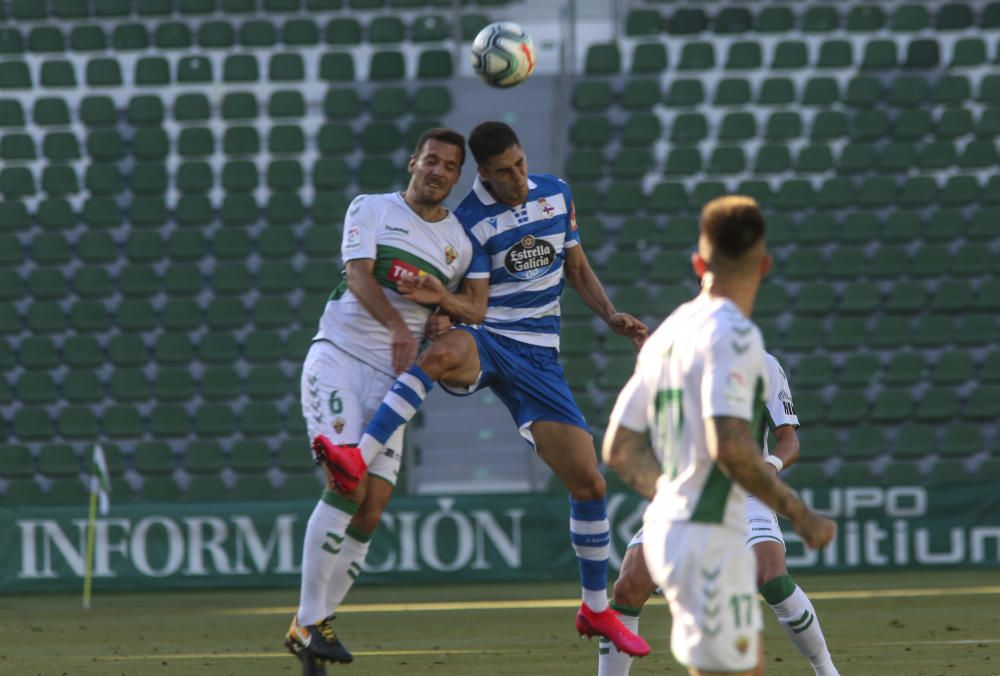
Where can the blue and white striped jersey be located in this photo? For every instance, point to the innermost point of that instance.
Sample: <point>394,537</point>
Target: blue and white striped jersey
<point>524,250</point>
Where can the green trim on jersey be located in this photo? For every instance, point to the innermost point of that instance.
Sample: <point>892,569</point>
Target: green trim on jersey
<point>384,255</point>
<point>711,505</point>
<point>760,413</point>
<point>669,410</point>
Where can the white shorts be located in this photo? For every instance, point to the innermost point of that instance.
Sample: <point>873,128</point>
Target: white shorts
<point>762,525</point>
<point>708,578</point>
<point>340,394</point>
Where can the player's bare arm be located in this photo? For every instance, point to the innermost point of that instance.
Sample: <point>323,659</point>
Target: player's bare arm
<point>361,282</point>
<point>468,305</point>
<point>630,454</point>
<point>732,446</point>
<point>787,446</point>
<point>583,278</point>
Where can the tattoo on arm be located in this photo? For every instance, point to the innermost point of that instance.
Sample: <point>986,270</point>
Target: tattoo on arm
<point>741,458</point>
<point>632,457</point>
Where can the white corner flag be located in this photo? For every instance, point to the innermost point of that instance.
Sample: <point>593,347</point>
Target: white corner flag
<point>100,482</point>
<point>100,487</point>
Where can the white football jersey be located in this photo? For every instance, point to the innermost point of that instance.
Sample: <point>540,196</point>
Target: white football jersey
<point>385,229</point>
<point>780,408</point>
<point>706,360</point>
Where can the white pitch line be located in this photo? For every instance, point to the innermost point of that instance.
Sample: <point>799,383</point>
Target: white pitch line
<point>259,655</point>
<point>530,604</point>
<point>964,641</point>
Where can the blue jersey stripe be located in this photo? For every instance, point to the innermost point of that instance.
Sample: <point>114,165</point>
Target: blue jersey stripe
<point>508,238</point>
<point>528,299</point>
<point>549,324</point>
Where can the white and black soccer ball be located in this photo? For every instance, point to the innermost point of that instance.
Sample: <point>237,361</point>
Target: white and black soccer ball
<point>503,54</point>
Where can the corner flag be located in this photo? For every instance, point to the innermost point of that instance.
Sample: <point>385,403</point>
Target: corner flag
<point>100,487</point>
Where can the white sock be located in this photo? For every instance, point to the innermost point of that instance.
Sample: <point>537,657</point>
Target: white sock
<point>349,563</point>
<point>798,618</point>
<point>611,662</point>
<point>324,537</point>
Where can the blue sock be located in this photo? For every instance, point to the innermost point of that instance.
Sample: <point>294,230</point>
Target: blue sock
<point>398,406</point>
<point>590,533</point>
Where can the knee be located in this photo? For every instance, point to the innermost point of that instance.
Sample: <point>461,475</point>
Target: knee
<point>438,360</point>
<point>766,573</point>
<point>367,518</point>
<point>591,488</point>
<point>630,592</point>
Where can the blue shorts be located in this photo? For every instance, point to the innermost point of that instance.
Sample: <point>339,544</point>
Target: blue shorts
<point>527,378</point>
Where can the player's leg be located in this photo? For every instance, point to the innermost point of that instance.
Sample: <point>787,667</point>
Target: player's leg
<point>381,481</point>
<point>631,591</point>
<point>452,358</point>
<point>330,404</point>
<point>569,451</point>
<point>791,605</point>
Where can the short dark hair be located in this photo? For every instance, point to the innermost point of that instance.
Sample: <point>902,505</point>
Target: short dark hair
<point>444,135</point>
<point>489,139</point>
<point>733,224</point>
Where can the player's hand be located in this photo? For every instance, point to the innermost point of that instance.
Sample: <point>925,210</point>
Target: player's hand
<point>437,325</point>
<point>404,347</point>
<point>815,530</point>
<point>423,289</point>
<point>626,325</point>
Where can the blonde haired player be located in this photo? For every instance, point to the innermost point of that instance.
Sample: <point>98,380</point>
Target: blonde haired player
<point>684,430</point>
<point>763,535</point>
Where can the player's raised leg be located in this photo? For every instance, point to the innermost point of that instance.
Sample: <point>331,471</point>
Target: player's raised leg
<point>452,358</point>
<point>569,451</point>
<point>794,610</point>
<point>632,589</point>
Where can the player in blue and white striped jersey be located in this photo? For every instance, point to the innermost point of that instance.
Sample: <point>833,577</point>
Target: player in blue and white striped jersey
<point>528,246</point>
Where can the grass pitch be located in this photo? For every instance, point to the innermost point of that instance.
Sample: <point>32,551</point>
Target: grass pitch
<point>913,624</point>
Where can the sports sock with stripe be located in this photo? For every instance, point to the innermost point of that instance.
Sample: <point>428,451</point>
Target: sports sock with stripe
<point>610,661</point>
<point>590,533</point>
<point>349,563</point>
<point>798,618</point>
<point>324,538</point>
<point>398,406</point>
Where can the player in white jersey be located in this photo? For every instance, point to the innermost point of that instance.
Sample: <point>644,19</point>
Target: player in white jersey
<point>509,342</point>
<point>684,429</point>
<point>368,333</point>
<point>791,605</point>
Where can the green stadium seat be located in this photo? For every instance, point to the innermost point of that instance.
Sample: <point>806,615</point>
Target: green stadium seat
<point>694,56</point>
<point>386,65</point>
<point>203,457</point>
<point>905,368</point>
<point>258,33</point>
<point>845,408</point>
<point>77,422</point>
<point>732,92</point>
<point>173,349</point>
<point>243,68</point>
<point>643,21</point>
<point>174,385</point>
<point>150,144</point>
<point>169,421</point>
<point>300,33</point>
<point>159,489</point>
<point>937,405</point>
<point>82,352</point>
<point>430,28</point>
<point>153,458</point>
<point>821,91</point>
<point>136,315</point>
<point>685,93</point>
<point>847,262</point>
<point>648,58</point>
<point>67,491</point>
<point>983,404</point>
<point>127,350</point>
<point>789,55</point>
<point>915,440</point>
<point>737,126</point>
<point>811,371</point>
<point>15,75</point>
<point>434,63</point>
<point>638,94</point>
<point>859,370</point>
<point>343,31</point>
<point>835,54</point>
<point>865,442</point>
<point>194,70</point>
<point>962,439</point>
<point>922,54</point>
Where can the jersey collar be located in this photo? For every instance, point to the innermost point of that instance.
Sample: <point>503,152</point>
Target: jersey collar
<point>484,195</point>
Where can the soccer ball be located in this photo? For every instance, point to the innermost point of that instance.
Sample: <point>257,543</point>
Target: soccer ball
<point>503,54</point>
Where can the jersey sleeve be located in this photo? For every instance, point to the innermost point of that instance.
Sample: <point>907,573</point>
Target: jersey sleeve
<point>359,230</point>
<point>780,407</point>
<point>572,232</point>
<point>733,378</point>
<point>631,408</point>
<point>479,268</point>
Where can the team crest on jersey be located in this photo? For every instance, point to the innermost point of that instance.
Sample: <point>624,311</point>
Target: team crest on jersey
<point>338,424</point>
<point>742,644</point>
<point>450,254</point>
<point>530,258</point>
<point>546,208</point>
